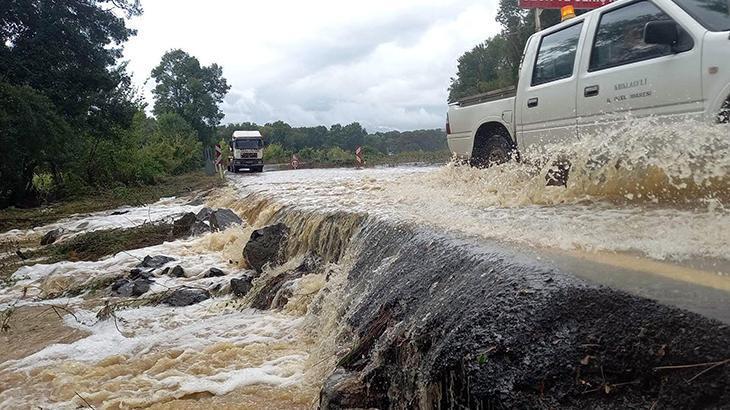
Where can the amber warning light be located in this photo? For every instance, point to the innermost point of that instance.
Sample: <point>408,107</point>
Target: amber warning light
<point>566,13</point>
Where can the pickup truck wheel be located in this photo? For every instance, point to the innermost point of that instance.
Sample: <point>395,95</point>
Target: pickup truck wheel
<point>491,151</point>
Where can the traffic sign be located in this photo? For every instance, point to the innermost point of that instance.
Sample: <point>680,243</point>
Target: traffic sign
<point>218,154</point>
<point>358,156</point>
<point>294,161</point>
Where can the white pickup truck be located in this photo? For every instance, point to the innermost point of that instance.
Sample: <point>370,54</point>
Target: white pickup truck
<point>664,58</point>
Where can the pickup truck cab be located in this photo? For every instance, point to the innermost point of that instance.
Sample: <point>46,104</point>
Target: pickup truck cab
<point>668,59</point>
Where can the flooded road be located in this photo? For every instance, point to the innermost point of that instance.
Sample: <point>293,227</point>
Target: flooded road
<point>657,231</point>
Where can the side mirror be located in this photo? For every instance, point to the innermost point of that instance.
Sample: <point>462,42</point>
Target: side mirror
<point>661,32</point>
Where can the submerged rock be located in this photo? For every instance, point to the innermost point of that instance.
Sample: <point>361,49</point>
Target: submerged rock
<point>137,273</point>
<point>177,272</point>
<point>241,286</point>
<point>221,219</point>
<point>184,224</point>
<point>131,288</point>
<point>154,261</point>
<point>51,236</point>
<point>203,214</point>
<point>206,220</point>
<point>265,246</point>
<point>214,273</point>
<point>186,296</point>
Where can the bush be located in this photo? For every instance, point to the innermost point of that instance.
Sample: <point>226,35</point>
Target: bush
<point>276,153</point>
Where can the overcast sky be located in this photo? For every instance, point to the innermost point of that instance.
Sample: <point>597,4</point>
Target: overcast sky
<point>384,63</point>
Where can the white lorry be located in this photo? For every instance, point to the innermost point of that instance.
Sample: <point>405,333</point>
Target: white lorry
<point>246,150</point>
<point>664,58</point>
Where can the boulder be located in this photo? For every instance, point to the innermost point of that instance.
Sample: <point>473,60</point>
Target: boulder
<point>154,261</point>
<point>221,219</point>
<point>199,228</point>
<point>131,288</point>
<point>241,286</point>
<point>203,214</point>
<point>214,273</point>
<point>265,246</point>
<point>51,236</point>
<point>177,272</point>
<point>184,224</point>
<point>191,224</point>
<point>186,296</point>
<point>137,273</point>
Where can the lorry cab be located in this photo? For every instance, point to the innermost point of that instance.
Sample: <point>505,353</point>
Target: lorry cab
<point>246,151</point>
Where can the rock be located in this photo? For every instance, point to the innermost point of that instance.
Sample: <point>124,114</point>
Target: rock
<point>177,272</point>
<point>154,261</point>
<point>131,288</point>
<point>199,228</point>
<point>186,296</point>
<point>137,273</point>
<point>265,246</point>
<point>120,212</point>
<point>183,225</point>
<point>343,390</point>
<point>221,219</point>
<point>51,236</point>
<point>241,286</point>
<point>214,273</point>
<point>203,214</point>
<point>191,224</point>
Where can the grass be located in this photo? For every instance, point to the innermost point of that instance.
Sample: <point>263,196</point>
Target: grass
<point>99,200</point>
<point>94,245</point>
<point>91,246</point>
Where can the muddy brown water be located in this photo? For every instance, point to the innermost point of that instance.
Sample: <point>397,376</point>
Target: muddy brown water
<point>409,257</point>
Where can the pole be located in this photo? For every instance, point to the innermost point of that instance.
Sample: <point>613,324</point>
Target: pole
<point>537,19</point>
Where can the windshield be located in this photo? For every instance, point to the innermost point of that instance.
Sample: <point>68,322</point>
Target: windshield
<point>249,144</point>
<point>713,14</point>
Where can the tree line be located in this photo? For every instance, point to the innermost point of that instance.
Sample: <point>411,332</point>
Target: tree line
<point>336,144</point>
<point>494,63</point>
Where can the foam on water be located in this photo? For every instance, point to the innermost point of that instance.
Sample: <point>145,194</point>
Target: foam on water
<point>657,190</point>
<point>155,354</point>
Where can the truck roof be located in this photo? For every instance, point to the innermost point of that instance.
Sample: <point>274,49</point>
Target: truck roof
<point>246,134</point>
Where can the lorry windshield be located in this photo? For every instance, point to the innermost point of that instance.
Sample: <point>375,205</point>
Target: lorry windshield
<point>249,144</point>
<point>713,14</point>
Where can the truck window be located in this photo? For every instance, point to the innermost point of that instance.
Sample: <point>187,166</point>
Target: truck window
<point>714,15</point>
<point>619,38</point>
<point>249,144</point>
<point>556,55</point>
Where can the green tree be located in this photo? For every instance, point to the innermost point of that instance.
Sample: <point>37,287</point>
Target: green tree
<point>64,49</point>
<point>67,53</point>
<point>191,91</point>
<point>495,63</point>
<point>32,135</point>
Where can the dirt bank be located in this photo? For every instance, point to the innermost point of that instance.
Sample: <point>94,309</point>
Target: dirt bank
<point>440,322</point>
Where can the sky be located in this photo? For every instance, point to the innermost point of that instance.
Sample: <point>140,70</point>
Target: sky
<point>383,63</point>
